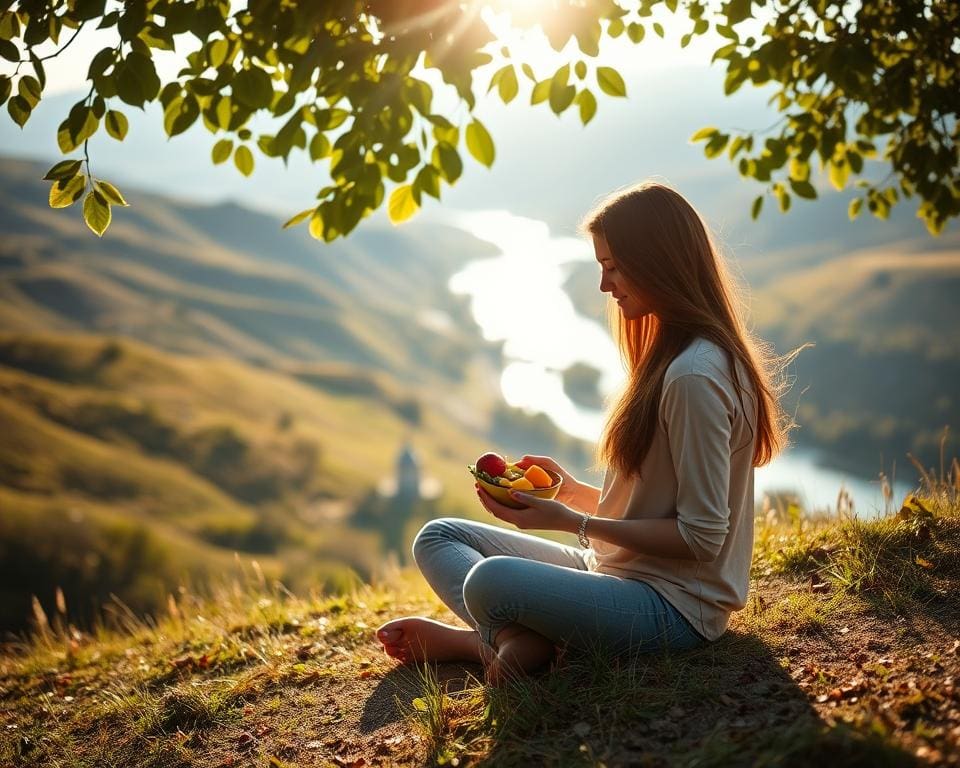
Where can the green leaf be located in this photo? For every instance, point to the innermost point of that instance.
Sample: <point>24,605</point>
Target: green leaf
<point>839,171</point>
<point>447,159</point>
<point>636,32</point>
<point>253,88</point>
<point>180,114</point>
<point>735,146</point>
<point>756,207</point>
<point>799,169</point>
<point>658,28</point>
<point>855,160</point>
<point>316,227</point>
<point>96,212</point>
<point>9,25</point>
<point>326,119</point>
<point>716,145</point>
<point>65,192</point>
<point>224,112</point>
<point>217,51</point>
<point>853,210</point>
<point>402,204</point>
<point>19,110</point>
<point>83,123</point>
<point>5,88</point>
<point>29,88</point>
<point>803,189</point>
<point>428,179</point>
<point>420,704</point>
<point>64,138</point>
<point>508,85</point>
<point>65,169</point>
<point>541,91</point>
<point>9,51</point>
<point>116,124</point>
<point>138,77</point>
<point>580,69</point>
<point>294,220</point>
<point>221,151</point>
<point>319,147</point>
<point>611,82</point>
<point>110,192</point>
<point>704,133</point>
<point>480,143</point>
<point>737,10</point>
<point>783,197</point>
<point>588,105</point>
<point>561,94</point>
<point>243,159</point>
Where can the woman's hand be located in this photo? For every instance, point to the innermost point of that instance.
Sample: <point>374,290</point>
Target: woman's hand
<point>539,514</point>
<point>569,489</point>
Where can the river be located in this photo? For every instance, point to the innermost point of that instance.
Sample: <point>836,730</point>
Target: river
<point>518,297</point>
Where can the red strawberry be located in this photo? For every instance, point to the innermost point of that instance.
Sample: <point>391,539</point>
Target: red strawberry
<point>492,463</point>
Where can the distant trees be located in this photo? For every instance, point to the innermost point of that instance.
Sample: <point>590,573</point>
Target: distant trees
<point>854,82</point>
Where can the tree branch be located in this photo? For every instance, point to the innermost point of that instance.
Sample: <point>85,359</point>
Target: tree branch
<point>66,44</point>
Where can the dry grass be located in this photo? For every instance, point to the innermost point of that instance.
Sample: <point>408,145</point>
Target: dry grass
<point>812,670</point>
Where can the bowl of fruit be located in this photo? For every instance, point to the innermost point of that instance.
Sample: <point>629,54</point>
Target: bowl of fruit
<point>498,477</point>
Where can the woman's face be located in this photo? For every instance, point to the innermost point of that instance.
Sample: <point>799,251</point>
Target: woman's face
<point>612,282</point>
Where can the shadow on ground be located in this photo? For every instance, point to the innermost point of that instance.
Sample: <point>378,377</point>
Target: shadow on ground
<point>732,703</point>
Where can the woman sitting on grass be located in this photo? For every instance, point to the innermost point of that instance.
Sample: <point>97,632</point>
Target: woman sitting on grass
<point>666,543</point>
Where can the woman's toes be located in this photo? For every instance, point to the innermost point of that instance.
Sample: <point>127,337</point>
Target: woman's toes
<point>388,634</point>
<point>389,639</point>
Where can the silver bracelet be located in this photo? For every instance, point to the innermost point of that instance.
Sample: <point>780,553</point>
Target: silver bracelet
<point>582,532</point>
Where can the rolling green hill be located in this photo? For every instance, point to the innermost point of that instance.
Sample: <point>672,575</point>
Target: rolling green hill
<point>124,469</point>
<point>202,382</point>
<point>228,280</point>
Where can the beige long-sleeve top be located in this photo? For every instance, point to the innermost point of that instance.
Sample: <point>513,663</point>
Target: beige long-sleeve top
<point>699,470</point>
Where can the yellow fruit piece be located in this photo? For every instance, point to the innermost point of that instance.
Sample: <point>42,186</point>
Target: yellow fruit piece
<point>538,476</point>
<point>522,484</point>
<point>503,481</point>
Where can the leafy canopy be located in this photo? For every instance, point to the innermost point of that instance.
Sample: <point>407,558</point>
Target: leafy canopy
<point>339,78</point>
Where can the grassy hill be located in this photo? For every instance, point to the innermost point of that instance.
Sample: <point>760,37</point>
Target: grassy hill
<point>110,444</point>
<point>228,280</point>
<point>846,655</point>
<point>129,471</point>
<point>202,381</point>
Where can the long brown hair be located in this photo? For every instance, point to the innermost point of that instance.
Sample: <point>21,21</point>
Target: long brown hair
<point>667,256</point>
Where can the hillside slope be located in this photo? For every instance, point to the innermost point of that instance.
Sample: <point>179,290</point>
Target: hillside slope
<point>847,654</point>
<point>224,279</point>
<point>203,457</point>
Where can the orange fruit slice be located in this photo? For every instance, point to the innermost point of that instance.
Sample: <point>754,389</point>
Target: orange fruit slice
<point>538,476</point>
<point>522,484</point>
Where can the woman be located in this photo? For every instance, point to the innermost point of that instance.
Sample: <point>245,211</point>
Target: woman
<point>666,543</point>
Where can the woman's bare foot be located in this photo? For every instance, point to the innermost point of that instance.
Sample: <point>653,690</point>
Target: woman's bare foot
<point>417,638</point>
<point>520,652</point>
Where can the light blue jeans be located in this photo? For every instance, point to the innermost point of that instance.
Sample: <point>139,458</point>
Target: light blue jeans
<point>491,577</point>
